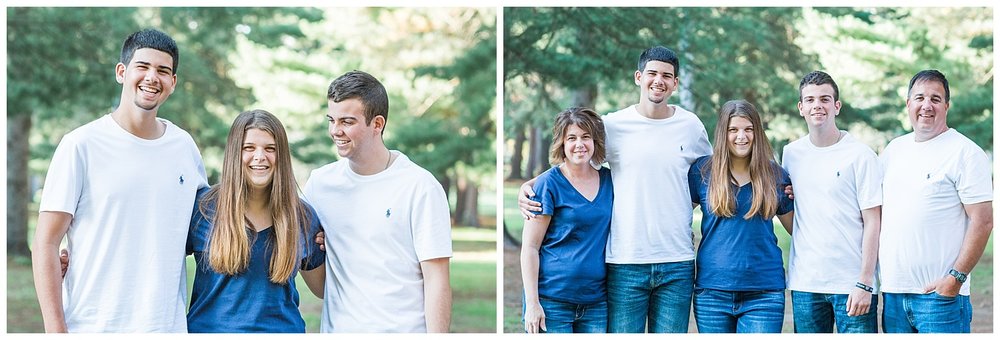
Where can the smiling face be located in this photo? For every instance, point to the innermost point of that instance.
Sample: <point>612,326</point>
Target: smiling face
<point>928,109</point>
<point>578,145</point>
<point>258,155</point>
<point>147,80</point>
<point>819,107</point>
<point>657,81</point>
<point>351,134</point>
<point>740,137</point>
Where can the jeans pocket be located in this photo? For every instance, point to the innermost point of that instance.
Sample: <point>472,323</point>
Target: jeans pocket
<point>943,297</point>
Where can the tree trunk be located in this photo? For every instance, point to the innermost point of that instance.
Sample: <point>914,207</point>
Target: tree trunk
<point>468,199</point>
<point>18,195</point>
<point>517,154</point>
<point>686,73</point>
<point>459,199</point>
<point>529,171</point>
<point>509,241</point>
<point>585,96</point>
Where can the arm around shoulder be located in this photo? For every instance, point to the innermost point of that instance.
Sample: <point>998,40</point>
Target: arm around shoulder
<point>437,294</point>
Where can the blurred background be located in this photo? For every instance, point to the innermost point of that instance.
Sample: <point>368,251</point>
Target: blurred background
<point>438,66</point>
<point>555,58</point>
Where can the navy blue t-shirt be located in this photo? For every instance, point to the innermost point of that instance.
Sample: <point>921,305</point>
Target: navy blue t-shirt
<point>571,257</point>
<point>736,254</point>
<point>248,302</point>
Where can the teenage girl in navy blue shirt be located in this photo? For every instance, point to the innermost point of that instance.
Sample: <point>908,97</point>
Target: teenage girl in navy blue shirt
<point>562,255</point>
<point>740,281</point>
<point>250,234</point>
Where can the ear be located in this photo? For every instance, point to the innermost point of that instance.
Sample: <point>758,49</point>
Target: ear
<point>378,123</point>
<point>799,105</point>
<point>120,73</point>
<point>174,86</point>
<point>638,76</point>
<point>837,105</point>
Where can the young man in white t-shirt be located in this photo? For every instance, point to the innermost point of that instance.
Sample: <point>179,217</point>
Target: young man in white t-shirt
<point>650,252</point>
<point>386,221</point>
<point>937,216</point>
<point>121,189</point>
<point>838,186</point>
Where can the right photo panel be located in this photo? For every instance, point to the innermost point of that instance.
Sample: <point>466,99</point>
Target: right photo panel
<point>748,170</point>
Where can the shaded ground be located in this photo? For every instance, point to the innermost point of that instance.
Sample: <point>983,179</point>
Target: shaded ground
<point>982,297</point>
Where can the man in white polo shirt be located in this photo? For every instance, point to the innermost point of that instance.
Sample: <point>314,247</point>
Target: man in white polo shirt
<point>937,216</point>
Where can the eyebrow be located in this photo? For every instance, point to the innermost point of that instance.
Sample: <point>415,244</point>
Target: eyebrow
<point>160,67</point>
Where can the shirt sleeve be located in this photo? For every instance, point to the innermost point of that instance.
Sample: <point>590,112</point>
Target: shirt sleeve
<point>785,204</point>
<point>65,178</point>
<point>313,255</point>
<point>694,180</point>
<point>196,236</point>
<point>430,221</point>
<point>545,192</point>
<point>975,183</point>
<point>868,181</point>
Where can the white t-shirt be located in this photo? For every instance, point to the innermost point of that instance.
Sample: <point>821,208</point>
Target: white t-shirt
<point>923,217</point>
<point>650,158</point>
<point>378,229</point>
<point>131,201</point>
<point>833,185</point>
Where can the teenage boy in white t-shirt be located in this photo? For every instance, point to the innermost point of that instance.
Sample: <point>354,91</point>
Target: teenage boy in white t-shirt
<point>937,216</point>
<point>650,252</point>
<point>838,186</point>
<point>386,220</point>
<point>121,189</point>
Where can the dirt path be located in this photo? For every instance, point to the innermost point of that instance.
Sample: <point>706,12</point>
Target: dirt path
<point>982,304</point>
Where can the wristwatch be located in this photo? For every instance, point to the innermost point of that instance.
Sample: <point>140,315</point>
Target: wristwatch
<point>960,276</point>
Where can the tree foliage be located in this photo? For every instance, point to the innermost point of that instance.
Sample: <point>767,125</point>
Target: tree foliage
<point>757,54</point>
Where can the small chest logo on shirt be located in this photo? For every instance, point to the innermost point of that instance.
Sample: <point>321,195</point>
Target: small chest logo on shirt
<point>181,180</point>
<point>838,173</point>
<point>928,176</point>
<point>387,213</point>
<point>682,148</point>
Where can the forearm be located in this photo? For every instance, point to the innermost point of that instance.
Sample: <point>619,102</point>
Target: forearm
<point>869,244</point>
<point>315,279</point>
<point>976,237</point>
<point>787,220</point>
<point>437,295</point>
<point>48,285</point>
<point>529,273</point>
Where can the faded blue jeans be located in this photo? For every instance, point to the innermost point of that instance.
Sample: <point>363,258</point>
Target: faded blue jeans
<point>563,317</point>
<point>819,312</point>
<point>722,311</point>
<point>926,313</point>
<point>657,293</point>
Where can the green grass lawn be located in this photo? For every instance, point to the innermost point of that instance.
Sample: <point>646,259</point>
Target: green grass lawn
<point>473,282</point>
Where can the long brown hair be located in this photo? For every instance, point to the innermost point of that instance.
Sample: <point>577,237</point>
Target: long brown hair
<point>763,176</point>
<point>229,245</point>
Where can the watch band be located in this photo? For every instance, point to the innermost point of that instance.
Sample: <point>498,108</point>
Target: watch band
<point>960,276</point>
<point>866,288</point>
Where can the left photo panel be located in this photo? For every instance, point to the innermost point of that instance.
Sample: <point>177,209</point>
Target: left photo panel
<point>251,170</point>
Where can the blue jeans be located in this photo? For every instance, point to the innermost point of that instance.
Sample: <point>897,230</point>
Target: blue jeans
<point>721,311</point>
<point>818,312</point>
<point>926,313</point>
<point>659,292</point>
<point>563,317</point>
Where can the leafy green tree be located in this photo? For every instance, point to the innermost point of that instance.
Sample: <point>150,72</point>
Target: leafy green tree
<point>60,65</point>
